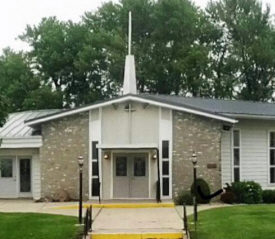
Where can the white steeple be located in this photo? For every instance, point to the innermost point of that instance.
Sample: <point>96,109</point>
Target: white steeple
<point>130,82</point>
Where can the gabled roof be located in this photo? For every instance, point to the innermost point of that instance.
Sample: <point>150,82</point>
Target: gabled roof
<point>143,98</point>
<point>212,108</point>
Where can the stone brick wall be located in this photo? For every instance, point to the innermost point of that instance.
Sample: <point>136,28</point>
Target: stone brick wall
<point>63,141</point>
<point>203,135</point>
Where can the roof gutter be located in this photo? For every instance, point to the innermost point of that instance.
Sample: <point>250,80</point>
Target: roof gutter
<point>247,116</point>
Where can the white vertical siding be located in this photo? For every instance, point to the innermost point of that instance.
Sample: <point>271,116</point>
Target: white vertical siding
<point>36,177</point>
<point>226,155</point>
<point>254,152</point>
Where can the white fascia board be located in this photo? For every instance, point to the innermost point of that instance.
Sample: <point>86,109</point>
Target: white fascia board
<point>134,98</point>
<point>127,146</point>
<point>188,110</point>
<point>245,116</point>
<point>21,142</point>
<point>76,111</point>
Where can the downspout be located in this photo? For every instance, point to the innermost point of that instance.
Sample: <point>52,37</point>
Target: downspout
<point>99,183</point>
<point>158,197</point>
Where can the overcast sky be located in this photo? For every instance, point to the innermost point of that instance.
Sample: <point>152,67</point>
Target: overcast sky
<point>16,14</point>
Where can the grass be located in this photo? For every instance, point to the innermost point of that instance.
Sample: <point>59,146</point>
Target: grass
<point>239,222</point>
<point>37,226</point>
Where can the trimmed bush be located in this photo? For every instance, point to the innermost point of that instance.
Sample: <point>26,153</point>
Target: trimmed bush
<point>228,197</point>
<point>204,188</point>
<point>184,197</point>
<point>248,192</point>
<point>268,196</point>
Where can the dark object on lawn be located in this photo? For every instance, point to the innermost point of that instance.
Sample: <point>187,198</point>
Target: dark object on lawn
<point>204,188</point>
<point>184,198</point>
<point>268,196</point>
<point>228,197</point>
<point>228,188</point>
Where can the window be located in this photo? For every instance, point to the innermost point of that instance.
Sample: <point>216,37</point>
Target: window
<point>6,168</point>
<point>95,170</point>
<point>94,150</point>
<point>165,149</point>
<point>121,166</point>
<point>139,167</point>
<point>236,155</point>
<point>165,168</point>
<point>272,156</point>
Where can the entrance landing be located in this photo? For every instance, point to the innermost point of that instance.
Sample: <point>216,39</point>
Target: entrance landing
<point>137,223</point>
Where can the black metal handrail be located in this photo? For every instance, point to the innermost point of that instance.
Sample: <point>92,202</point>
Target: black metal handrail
<point>88,221</point>
<point>184,219</point>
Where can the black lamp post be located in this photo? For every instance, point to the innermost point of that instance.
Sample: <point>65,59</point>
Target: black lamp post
<point>194,161</point>
<point>80,164</point>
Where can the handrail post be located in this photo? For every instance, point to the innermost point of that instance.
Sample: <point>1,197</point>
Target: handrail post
<point>91,217</point>
<point>185,224</point>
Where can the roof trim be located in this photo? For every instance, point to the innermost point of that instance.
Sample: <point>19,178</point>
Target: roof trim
<point>127,146</point>
<point>127,98</point>
<point>21,142</point>
<point>248,116</point>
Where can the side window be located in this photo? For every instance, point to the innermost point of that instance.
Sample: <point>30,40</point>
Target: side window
<point>272,157</point>
<point>236,155</point>
<point>6,168</point>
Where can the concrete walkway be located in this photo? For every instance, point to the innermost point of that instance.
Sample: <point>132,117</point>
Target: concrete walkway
<point>114,220</point>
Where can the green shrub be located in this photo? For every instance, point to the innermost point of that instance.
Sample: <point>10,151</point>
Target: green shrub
<point>228,197</point>
<point>184,197</point>
<point>247,192</point>
<point>204,188</point>
<point>268,196</point>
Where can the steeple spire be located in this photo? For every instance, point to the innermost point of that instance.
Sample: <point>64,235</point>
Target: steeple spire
<point>130,82</point>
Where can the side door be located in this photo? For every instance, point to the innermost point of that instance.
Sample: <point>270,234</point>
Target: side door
<point>8,179</point>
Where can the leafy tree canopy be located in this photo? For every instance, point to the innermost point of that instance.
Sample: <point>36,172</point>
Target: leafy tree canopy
<point>225,51</point>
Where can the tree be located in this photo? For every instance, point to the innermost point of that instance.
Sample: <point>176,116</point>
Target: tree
<point>18,83</point>
<point>3,112</point>
<point>244,54</point>
<point>170,53</point>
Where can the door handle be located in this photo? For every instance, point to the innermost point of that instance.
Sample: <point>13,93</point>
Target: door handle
<point>14,178</point>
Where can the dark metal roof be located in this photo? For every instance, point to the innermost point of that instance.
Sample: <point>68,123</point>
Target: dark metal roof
<point>213,106</point>
<point>234,107</point>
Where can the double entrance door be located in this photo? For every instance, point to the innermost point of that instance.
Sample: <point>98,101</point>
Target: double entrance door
<point>131,176</point>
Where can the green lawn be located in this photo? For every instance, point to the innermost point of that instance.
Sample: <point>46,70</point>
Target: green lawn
<point>239,222</point>
<point>37,226</point>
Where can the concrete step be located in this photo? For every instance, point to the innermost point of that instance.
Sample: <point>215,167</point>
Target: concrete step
<point>139,234</point>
